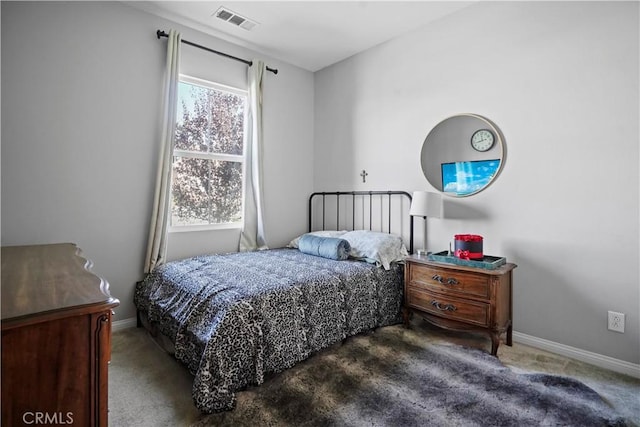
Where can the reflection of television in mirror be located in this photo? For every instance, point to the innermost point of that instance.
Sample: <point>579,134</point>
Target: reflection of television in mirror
<point>462,178</point>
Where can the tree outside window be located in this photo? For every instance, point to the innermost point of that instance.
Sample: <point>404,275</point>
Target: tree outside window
<point>208,162</point>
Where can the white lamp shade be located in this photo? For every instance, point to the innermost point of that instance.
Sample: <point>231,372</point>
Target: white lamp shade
<point>424,203</point>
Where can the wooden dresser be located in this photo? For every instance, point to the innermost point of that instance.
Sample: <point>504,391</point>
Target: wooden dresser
<point>460,298</point>
<point>56,330</point>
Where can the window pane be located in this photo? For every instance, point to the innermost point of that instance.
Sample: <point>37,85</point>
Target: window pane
<point>209,120</point>
<point>206,191</point>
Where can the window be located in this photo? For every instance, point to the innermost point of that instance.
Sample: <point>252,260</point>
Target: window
<point>208,157</point>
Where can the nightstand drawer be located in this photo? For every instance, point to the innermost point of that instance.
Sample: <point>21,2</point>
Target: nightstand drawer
<point>437,279</point>
<point>471,312</point>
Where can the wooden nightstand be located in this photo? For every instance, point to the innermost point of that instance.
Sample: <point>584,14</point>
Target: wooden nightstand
<point>460,298</point>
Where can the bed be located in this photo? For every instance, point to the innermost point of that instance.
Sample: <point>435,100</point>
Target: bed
<point>232,318</point>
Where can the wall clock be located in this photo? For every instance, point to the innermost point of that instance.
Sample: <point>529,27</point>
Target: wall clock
<point>482,140</point>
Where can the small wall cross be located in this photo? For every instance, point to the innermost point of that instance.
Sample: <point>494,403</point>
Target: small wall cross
<point>364,174</point>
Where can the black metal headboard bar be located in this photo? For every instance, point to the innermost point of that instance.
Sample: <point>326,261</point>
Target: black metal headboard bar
<point>353,195</point>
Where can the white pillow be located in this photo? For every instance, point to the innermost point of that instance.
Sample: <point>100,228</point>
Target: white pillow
<point>376,247</point>
<point>320,233</point>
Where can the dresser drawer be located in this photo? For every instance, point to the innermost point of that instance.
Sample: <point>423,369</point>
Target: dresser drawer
<point>472,312</point>
<point>445,280</point>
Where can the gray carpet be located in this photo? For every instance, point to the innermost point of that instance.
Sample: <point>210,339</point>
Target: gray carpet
<point>394,377</point>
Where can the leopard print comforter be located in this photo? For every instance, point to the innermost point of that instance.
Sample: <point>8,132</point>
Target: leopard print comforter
<point>234,317</point>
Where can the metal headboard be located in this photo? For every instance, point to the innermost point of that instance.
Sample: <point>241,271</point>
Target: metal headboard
<point>353,195</point>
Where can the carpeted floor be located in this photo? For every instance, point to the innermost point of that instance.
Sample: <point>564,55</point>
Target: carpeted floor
<point>393,376</point>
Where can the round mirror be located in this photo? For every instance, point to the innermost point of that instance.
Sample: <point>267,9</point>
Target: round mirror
<point>463,155</point>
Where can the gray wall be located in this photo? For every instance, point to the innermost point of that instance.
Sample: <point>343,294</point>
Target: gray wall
<point>561,81</point>
<point>81,93</point>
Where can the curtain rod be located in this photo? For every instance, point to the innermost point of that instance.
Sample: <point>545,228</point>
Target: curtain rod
<point>160,33</point>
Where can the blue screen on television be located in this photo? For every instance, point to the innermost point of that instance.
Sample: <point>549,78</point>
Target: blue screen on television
<point>462,178</point>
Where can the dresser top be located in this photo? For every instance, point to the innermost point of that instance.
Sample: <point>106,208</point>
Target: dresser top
<point>46,280</point>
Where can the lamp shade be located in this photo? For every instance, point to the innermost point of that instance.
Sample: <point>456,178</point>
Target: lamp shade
<point>424,203</point>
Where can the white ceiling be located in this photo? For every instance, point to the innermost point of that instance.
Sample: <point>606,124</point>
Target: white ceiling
<point>309,34</point>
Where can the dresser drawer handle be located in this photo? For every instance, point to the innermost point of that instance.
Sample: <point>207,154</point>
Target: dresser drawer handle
<point>450,281</point>
<point>447,307</point>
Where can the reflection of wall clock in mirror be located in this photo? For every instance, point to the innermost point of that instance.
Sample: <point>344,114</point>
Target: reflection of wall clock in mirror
<point>482,140</point>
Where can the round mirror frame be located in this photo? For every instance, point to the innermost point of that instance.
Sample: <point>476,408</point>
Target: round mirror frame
<point>449,143</point>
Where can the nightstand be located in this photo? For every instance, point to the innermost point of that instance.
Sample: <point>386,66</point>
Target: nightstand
<point>460,298</point>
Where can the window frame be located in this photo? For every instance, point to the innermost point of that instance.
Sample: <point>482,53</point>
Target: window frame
<point>173,228</point>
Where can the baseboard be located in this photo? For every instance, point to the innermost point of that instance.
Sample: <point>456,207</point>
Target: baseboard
<point>595,359</point>
<point>119,325</point>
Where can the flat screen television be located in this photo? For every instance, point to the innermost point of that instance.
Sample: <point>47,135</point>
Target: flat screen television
<point>462,178</point>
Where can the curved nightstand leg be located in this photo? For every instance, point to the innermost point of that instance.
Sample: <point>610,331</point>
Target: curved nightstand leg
<point>495,342</point>
<point>510,335</point>
<point>406,317</point>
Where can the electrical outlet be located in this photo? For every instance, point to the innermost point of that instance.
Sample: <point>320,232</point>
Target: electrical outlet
<point>616,321</point>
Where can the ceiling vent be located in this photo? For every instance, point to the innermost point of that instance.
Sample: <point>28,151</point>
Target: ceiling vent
<point>235,19</point>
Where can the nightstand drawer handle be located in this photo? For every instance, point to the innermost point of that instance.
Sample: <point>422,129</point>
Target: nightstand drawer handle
<point>447,307</point>
<point>450,281</point>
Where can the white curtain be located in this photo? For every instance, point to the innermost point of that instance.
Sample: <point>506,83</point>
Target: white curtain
<point>157,245</point>
<point>252,236</point>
